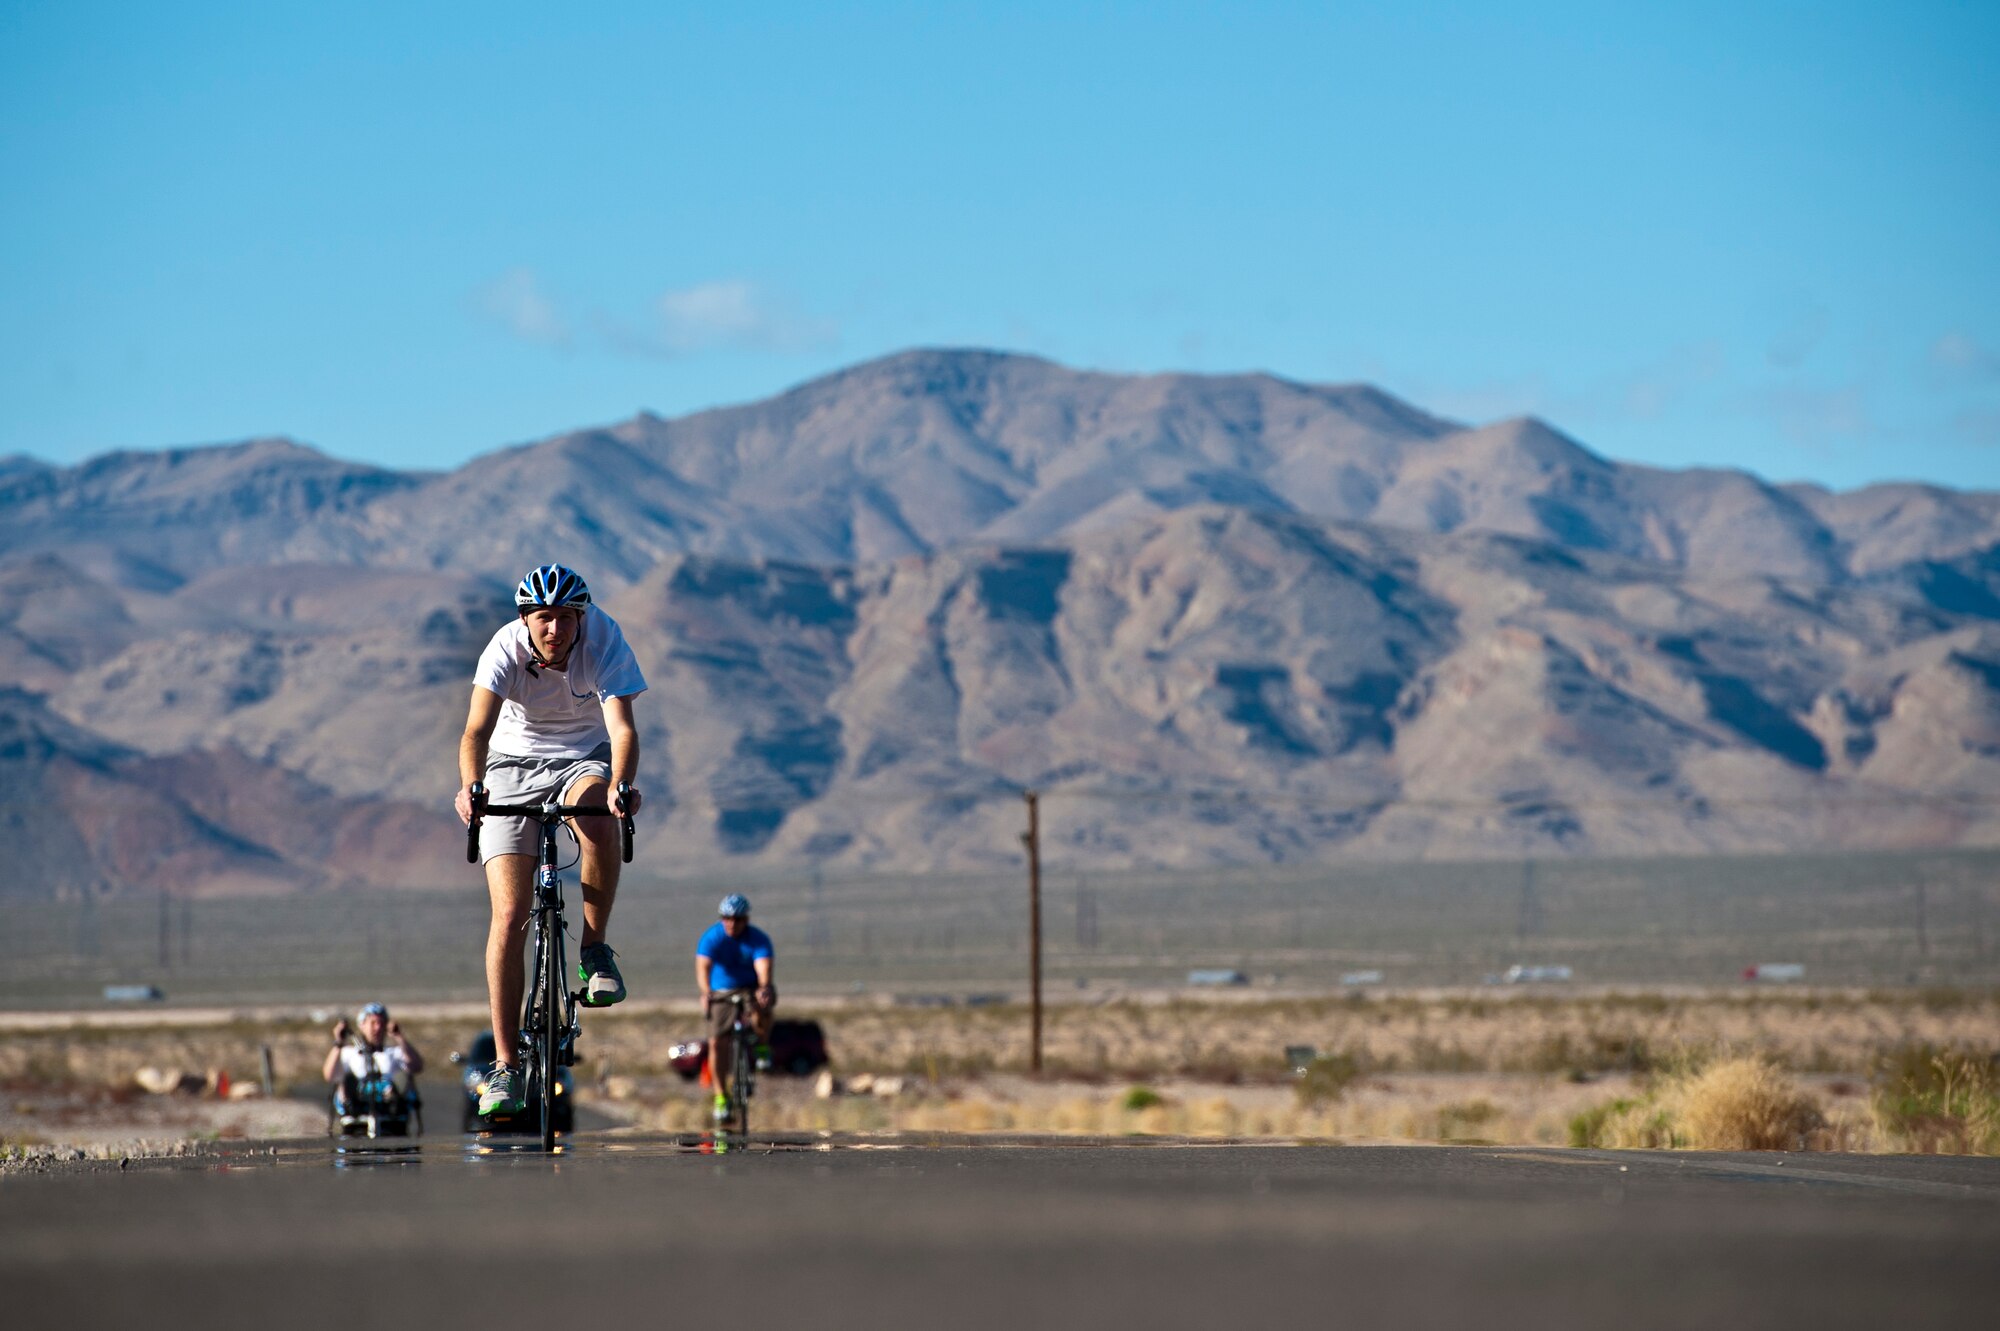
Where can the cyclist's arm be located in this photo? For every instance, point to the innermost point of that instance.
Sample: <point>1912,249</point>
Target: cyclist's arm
<point>702,966</point>
<point>764,966</point>
<point>624,753</point>
<point>331,1072</point>
<point>479,722</point>
<point>415,1059</point>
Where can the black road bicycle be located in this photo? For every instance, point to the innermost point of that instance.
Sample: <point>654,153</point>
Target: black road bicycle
<point>742,1065</point>
<point>549,1021</point>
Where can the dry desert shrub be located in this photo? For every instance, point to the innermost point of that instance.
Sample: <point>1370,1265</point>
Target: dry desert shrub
<point>1733,1104</point>
<point>1466,1120</point>
<point>1326,1079</point>
<point>1746,1104</point>
<point>1938,1102</point>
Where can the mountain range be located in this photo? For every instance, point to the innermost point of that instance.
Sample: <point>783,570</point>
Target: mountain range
<point>1214,619</point>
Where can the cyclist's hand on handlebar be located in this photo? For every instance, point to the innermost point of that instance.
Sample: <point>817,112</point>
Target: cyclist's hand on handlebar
<point>624,803</point>
<point>340,1031</point>
<point>463,803</point>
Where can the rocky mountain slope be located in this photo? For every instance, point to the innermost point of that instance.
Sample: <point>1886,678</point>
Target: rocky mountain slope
<point>1213,619</point>
<point>933,450</point>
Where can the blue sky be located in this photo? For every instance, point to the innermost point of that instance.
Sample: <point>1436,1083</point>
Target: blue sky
<point>1749,235</point>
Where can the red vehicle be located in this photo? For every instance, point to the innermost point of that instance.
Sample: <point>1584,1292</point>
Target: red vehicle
<point>797,1048</point>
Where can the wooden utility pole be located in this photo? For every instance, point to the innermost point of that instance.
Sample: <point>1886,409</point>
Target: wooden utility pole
<point>1033,838</point>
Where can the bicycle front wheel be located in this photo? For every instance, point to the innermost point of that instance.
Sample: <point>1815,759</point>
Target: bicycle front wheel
<point>550,982</point>
<point>740,1075</point>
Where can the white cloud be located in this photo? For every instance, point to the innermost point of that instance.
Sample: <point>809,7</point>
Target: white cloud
<point>515,300</point>
<point>709,316</point>
<point>737,315</point>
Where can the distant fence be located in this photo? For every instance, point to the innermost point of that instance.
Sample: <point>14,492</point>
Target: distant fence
<point>1853,919</point>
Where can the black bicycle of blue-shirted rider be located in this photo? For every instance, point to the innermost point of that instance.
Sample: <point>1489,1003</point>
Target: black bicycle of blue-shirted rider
<point>550,722</point>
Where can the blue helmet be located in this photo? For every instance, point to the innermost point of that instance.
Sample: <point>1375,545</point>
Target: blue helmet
<point>374,1010</point>
<point>551,585</point>
<point>734,906</point>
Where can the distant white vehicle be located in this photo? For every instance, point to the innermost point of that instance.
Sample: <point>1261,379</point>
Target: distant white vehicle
<point>1217,977</point>
<point>1536,975</point>
<point>1774,972</point>
<point>1352,978</point>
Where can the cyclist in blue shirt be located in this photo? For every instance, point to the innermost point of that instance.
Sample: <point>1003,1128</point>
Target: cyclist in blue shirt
<point>734,956</point>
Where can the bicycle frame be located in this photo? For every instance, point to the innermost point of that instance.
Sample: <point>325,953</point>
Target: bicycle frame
<point>549,1021</point>
<point>743,1060</point>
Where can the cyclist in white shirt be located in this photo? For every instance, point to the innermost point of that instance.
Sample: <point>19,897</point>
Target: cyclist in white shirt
<point>383,1053</point>
<point>551,718</point>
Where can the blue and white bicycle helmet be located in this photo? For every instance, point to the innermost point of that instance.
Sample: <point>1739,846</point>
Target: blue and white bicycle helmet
<point>734,906</point>
<point>551,585</point>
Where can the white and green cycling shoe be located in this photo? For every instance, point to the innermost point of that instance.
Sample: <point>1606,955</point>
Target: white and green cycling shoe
<point>596,967</point>
<point>502,1093</point>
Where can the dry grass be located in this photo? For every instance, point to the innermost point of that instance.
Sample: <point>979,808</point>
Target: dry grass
<point>1417,1108</point>
<point>1728,1069</point>
<point>1227,1040</point>
<point>1559,1035</point>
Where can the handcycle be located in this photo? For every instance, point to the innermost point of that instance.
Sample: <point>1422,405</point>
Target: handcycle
<point>378,1107</point>
<point>549,1021</point>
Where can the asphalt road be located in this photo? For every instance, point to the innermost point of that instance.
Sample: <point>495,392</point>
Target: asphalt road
<point>622,1231</point>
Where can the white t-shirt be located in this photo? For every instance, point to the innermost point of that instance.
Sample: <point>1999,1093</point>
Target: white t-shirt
<point>386,1061</point>
<point>547,713</point>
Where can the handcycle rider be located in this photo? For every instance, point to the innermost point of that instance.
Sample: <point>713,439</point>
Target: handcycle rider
<point>383,1054</point>
<point>734,956</point>
<point>551,719</point>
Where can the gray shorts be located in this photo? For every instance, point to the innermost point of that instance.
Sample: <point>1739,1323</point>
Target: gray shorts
<point>511,780</point>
